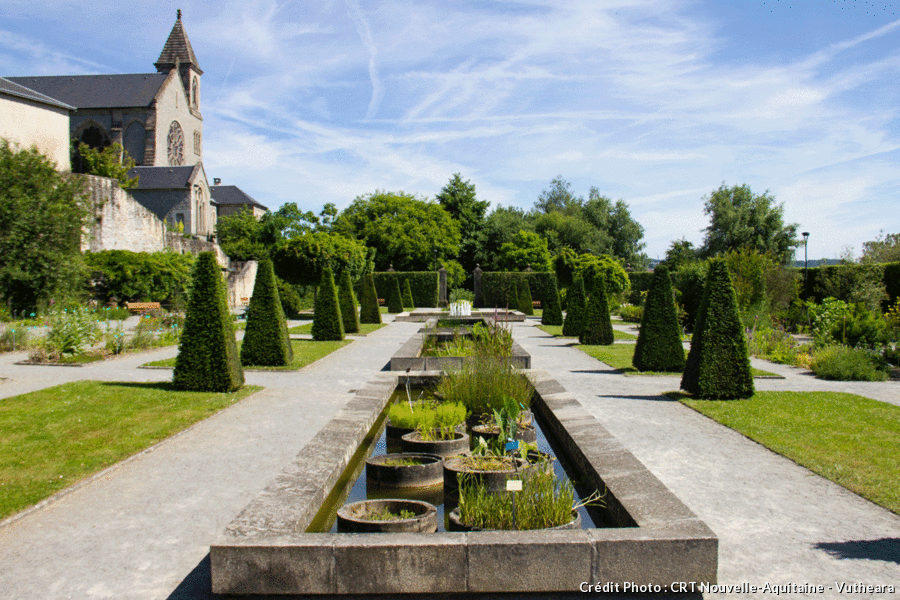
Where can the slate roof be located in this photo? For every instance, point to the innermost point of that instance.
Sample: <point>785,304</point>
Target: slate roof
<point>159,204</point>
<point>177,48</point>
<point>164,178</point>
<point>14,89</point>
<point>97,91</point>
<point>232,195</point>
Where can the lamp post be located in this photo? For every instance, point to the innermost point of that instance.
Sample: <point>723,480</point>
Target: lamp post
<point>805,265</point>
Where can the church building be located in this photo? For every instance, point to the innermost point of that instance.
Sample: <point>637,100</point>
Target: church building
<point>156,118</point>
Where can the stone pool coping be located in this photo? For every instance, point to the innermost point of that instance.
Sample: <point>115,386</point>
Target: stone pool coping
<point>420,315</point>
<point>265,550</point>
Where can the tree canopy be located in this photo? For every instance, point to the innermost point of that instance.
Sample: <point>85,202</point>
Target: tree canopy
<point>526,249</point>
<point>42,212</point>
<point>883,249</point>
<point>741,219</point>
<point>302,259</point>
<point>458,199</point>
<point>406,231</point>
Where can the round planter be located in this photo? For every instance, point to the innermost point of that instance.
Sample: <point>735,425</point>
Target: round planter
<point>525,419</point>
<point>454,524</point>
<point>526,434</point>
<point>493,480</point>
<point>393,433</point>
<point>412,442</point>
<point>352,518</point>
<point>432,495</point>
<point>429,471</point>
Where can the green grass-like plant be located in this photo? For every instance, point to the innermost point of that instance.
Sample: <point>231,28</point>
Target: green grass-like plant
<point>53,438</point>
<point>845,364</point>
<point>718,365</point>
<point>659,346</point>
<point>543,502</point>
<point>576,300</point>
<point>597,329</point>
<point>207,355</point>
<point>395,300</point>
<point>266,341</point>
<point>348,304</point>
<point>328,324</point>
<point>484,384</point>
<point>846,438</point>
<point>368,300</point>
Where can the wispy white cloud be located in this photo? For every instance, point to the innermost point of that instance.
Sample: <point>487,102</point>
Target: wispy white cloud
<point>365,34</point>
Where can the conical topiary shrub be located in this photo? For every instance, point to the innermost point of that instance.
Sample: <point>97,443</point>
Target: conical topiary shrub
<point>395,301</point>
<point>512,296</point>
<point>368,301</point>
<point>207,358</point>
<point>659,342</point>
<point>408,302</point>
<point>525,302</point>
<point>597,329</point>
<point>552,313</point>
<point>266,339</point>
<point>718,365</point>
<point>327,323</point>
<point>348,305</point>
<point>576,300</point>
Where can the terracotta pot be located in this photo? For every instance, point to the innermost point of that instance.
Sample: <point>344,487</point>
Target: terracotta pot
<point>454,524</point>
<point>353,517</point>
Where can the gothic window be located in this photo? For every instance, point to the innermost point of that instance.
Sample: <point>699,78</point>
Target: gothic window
<point>198,149</point>
<point>195,93</point>
<point>176,144</point>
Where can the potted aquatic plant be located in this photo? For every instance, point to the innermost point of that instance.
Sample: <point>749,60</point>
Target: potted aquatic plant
<point>387,516</point>
<point>484,384</point>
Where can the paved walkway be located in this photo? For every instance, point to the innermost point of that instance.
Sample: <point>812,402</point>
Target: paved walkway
<point>777,522</point>
<point>142,529</point>
<point>139,529</point>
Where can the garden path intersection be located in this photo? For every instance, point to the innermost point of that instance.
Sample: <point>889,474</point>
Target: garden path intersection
<point>142,529</point>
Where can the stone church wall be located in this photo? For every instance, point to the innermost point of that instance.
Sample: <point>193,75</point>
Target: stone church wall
<point>241,278</point>
<point>119,222</point>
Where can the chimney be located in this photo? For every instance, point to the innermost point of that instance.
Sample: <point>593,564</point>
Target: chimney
<point>216,181</point>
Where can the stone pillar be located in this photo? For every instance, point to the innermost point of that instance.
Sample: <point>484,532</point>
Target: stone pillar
<point>479,295</point>
<point>442,287</point>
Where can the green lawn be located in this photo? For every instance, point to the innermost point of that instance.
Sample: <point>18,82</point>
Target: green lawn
<point>305,352</point>
<point>851,440</point>
<point>54,437</point>
<point>556,330</point>
<point>364,328</point>
<point>619,356</point>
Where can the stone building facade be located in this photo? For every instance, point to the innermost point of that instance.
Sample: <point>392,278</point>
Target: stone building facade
<point>29,118</point>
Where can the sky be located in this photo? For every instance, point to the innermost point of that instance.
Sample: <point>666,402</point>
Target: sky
<point>656,103</point>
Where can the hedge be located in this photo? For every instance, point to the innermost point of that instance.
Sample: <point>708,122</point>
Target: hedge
<point>839,281</point>
<point>423,284</point>
<point>266,339</point>
<point>207,358</point>
<point>140,276</point>
<point>347,300</point>
<point>526,304</point>
<point>597,327</point>
<point>718,364</point>
<point>658,345</point>
<point>577,302</point>
<point>368,301</point>
<point>328,325</point>
<point>395,298</point>
<point>640,282</point>
<point>406,296</point>
<point>495,286</point>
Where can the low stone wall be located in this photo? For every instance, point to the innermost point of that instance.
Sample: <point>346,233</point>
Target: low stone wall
<point>265,550</point>
<point>119,222</point>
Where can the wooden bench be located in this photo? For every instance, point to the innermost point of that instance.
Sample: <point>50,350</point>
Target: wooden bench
<point>142,307</point>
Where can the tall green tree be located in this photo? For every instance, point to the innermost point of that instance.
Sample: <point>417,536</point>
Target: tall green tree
<point>328,324</point>
<point>459,200</point>
<point>207,353</point>
<point>681,252</point>
<point>718,364</point>
<point>658,345</point>
<point>597,327</point>
<point>348,305</point>
<point>741,219</point>
<point>42,213</point>
<point>266,338</point>
<point>301,260</point>
<point>500,227</point>
<point>885,248</point>
<point>526,249</point>
<point>406,231</point>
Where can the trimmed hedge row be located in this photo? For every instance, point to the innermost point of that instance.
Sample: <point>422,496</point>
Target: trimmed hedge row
<point>839,281</point>
<point>495,286</point>
<point>423,284</point>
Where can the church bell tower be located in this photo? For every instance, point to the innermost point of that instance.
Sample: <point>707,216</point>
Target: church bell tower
<point>178,54</point>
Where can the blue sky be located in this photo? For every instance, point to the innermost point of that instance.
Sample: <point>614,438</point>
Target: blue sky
<point>656,103</point>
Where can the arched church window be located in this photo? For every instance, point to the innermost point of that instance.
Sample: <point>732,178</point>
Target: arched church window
<point>195,93</point>
<point>176,144</point>
<point>95,137</point>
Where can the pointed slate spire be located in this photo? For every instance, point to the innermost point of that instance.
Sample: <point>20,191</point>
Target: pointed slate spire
<point>177,50</point>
